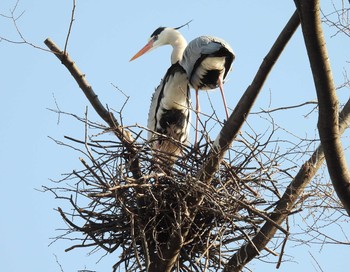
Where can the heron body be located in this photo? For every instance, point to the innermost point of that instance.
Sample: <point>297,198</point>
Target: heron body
<point>170,113</point>
<point>207,61</point>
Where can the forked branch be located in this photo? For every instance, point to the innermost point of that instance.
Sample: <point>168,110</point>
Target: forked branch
<point>106,115</point>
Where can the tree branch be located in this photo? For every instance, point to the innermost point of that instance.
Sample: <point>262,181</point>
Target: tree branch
<point>107,116</point>
<point>233,125</point>
<point>328,103</point>
<point>285,205</point>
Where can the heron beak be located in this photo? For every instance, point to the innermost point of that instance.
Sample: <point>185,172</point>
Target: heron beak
<point>144,50</point>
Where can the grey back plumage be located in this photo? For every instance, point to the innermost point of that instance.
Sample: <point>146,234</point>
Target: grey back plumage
<point>201,48</point>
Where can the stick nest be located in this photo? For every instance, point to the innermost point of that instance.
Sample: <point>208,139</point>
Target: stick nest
<point>111,209</point>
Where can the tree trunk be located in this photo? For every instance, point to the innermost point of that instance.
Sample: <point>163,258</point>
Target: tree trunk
<point>309,12</point>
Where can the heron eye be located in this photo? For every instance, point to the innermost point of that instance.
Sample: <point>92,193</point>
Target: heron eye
<point>157,32</point>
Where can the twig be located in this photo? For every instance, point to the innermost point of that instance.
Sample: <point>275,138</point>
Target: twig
<point>14,19</point>
<point>104,185</point>
<point>70,27</point>
<point>316,261</point>
<point>286,107</point>
<point>127,97</point>
<point>58,263</point>
<point>283,246</point>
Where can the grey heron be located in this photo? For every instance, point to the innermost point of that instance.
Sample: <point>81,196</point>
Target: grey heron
<point>169,112</point>
<point>206,60</point>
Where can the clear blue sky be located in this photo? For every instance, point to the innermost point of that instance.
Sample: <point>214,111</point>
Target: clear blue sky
<point>105,35</point>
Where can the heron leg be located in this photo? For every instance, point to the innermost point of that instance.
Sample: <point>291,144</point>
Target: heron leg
<point>220,83</point>
<point>197,116</point>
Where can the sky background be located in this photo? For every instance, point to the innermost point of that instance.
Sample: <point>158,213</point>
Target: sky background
<point>105,35</point>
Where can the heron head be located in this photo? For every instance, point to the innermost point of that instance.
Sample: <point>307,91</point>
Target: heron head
<point>161,36</point>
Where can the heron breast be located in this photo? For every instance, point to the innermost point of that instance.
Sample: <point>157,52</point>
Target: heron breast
<point>176,92</point>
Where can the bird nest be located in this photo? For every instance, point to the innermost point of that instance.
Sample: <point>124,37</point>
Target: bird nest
<point>110,209</point>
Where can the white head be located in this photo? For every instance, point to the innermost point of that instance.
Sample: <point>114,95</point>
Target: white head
<point>163,36</point>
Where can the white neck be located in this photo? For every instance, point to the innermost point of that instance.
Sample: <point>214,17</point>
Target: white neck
<point>178,49</point>
<point>178,42</point>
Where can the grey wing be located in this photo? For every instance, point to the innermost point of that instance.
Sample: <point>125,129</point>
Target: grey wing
<point>172,113</point>
<point>152,122</point>
<point>192,53</point>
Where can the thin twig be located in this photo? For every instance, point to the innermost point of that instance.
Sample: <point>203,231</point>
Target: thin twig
<point>70,27</point>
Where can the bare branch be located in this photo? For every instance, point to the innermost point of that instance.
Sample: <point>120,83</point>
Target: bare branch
<point>58,263</point>
<point>107,116</point>
<point>70,27</point>
<point>339,19</point>
<point>286,107</point>
<point>22,40</point>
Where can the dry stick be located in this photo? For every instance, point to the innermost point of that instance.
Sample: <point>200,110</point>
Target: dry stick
<point>91,170</point>
<point>283,247</point>
<point>107,116</point>
<point>70,27</point>
<point>285,205</point>
<point>227,134</point>
<point>327,99</point>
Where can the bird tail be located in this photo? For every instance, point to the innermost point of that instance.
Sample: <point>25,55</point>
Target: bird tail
<point>166,151</point>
